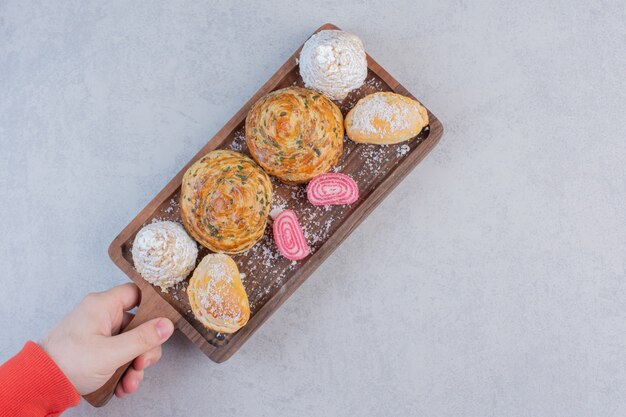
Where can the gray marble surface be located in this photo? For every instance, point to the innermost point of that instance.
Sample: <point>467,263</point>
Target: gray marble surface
<point>490,283</point>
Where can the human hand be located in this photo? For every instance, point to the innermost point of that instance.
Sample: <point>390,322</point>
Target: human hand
<point>86,345</point>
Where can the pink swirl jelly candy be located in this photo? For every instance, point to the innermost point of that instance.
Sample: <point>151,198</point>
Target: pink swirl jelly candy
<point>289,237</point>
<point>332,188</point>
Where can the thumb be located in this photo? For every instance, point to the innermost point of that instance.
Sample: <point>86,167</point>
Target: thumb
<point>127,346</point>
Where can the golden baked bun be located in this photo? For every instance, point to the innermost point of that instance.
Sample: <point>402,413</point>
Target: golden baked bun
<point>217,296</point>
<point>295,134</point>
<point>385,118</point>
<point>225,200</point>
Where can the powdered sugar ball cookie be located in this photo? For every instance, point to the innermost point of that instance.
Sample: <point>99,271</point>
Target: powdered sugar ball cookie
<point>334,63</point>
<point>164,254</point>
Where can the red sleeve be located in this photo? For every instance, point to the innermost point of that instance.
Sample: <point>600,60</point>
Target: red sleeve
<point>31,385</point>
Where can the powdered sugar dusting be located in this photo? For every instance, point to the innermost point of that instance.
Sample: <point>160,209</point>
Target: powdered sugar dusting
<point>239,140</point>
<point>163,253</point>
<point>377,108</point>
<point>210,291</point>
<point>276,211</point>
<point>264,271</point>
<point>403,149</point>
<point>333,62</point>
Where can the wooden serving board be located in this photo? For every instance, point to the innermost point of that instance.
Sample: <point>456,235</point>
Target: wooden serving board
<point>269,278</point>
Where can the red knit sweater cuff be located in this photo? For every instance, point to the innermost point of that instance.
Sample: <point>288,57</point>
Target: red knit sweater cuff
<point>32,384</point>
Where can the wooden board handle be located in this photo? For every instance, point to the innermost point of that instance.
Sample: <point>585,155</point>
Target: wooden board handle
<point>102,395</point>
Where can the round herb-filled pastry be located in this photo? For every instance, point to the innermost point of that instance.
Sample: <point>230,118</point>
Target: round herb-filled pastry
<point>225,200</point>
<point>295,134</point>
<point>217,296</point>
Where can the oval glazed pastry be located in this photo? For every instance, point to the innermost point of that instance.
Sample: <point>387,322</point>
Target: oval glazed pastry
<point>385,118</point>
<point>217,296</point>
<point>295,134</point>
<point>225,200</point>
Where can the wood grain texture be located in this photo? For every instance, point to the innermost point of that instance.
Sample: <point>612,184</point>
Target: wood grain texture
<point>268,278</point>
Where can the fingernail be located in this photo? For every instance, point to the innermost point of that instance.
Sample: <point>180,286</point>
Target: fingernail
<point>148,363</point>
<point>164,328</point>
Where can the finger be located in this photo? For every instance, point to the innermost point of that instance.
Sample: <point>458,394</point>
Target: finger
<point>119,390</point>
<point>126,318</point>
<point>128,345</point>
<point>149,358</point>
<point>127,295</point>
<point>131,379</point>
